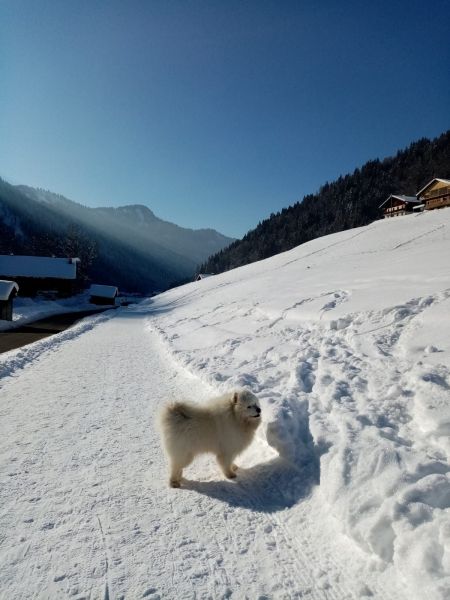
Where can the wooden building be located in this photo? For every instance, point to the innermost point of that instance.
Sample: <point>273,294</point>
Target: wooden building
<point>436,194</point>
<point>397,205</point>
<point>36,274</point>
<point>8,291</point>
<point>103,294</point>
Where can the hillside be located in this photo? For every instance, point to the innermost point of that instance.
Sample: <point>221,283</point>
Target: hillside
<point>347,340</point>
<point>345,492</point>
<point>127,222</point>
<point>129,246</point>
<point>350,201</point>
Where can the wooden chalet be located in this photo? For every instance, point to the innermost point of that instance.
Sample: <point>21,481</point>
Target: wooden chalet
<point>8,291</point>
<point>103,294</point>
<point>436,194</point>
<point>35,274</point>
<point>397,205</point>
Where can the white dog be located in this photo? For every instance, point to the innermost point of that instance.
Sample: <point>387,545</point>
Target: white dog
<point>225,426</point>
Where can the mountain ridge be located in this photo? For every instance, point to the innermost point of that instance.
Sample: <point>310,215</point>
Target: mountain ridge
<point>112,249</point>
<point>195,239</point>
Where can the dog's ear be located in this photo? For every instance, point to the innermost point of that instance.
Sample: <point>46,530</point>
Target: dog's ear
<point>235,397</point>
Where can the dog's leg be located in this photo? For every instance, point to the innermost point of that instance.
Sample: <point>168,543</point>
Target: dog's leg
<point>226,464</point>
<point>234,467</point>
<point>175,476</point>
<point>176,471</point>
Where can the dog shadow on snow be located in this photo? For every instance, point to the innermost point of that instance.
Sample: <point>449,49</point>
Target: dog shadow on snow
<point>266,487</point>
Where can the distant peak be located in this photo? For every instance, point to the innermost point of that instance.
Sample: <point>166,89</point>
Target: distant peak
<point>136,207</point>
<point>139,211</point>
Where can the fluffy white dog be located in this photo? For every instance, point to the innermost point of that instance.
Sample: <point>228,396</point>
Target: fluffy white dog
<point>224,426</point>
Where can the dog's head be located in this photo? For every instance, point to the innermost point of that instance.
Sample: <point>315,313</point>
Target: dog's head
<point>246,407</point>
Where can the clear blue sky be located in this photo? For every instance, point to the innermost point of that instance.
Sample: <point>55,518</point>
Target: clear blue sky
<point>214,113</point>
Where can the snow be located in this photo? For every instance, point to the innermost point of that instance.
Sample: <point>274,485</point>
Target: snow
<point>104,291</point>
<point>27,310</point>
<point>345,492</point>
<point>38,266</point>
<point>6,287</point>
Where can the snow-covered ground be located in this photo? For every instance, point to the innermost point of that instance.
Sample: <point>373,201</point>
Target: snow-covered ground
<point>27,310</point>
<point>345,493</point>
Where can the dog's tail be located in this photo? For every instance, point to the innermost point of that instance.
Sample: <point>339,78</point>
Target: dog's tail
<point>176,413</point>
<point>179,410</point>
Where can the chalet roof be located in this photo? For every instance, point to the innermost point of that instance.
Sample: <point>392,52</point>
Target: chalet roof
<point>407,199</point>
<point>6,287</point>
<point>430,183</point>
<point>38,266</point>
<point>103,291</point>
<point>203,276</point>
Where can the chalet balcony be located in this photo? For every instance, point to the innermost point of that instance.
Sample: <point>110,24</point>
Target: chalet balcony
<point>439,202</point>
<point>398,210</point>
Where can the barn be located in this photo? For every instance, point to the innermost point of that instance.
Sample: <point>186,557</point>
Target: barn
<point>36,274</point>
<point>8,291</point>
<point>103,294</point>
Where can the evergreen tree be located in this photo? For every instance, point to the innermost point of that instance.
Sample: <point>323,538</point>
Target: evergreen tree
<point>351,201</point>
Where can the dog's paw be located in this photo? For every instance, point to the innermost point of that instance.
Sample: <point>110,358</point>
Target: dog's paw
<point>230,475</point>
<point>174,483</point>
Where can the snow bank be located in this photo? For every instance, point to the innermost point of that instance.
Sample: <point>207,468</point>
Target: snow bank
<point>20,358</point>
<point>27,310</point>
<point>346,341</point>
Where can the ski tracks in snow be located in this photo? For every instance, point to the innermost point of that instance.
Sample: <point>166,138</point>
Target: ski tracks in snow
<point>86,510</point>
<point>344,389</point>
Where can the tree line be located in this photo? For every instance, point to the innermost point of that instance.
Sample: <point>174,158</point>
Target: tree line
<point>351,201</point>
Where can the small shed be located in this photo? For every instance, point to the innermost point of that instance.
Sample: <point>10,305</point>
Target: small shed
<point>203,276</point>
<point>397,205</point>
<point>8,291</point>
<point>436,194</point>
<point>103,294</point>
<point>36,274</point>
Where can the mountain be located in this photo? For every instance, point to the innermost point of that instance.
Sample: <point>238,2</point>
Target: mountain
<point>128,246</point>
<point>192,245</point>
<point>198,244</point>
<point>350,201</point>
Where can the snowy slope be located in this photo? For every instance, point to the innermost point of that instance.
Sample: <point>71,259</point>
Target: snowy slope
<point>347,338</point>
<point>344,494</point>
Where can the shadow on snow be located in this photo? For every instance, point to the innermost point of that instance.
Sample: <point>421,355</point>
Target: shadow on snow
<point>267,487</point>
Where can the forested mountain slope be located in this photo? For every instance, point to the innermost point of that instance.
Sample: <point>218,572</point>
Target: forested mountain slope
<point>139,224</point>
<point>129,247</point>
<point>350,201</point>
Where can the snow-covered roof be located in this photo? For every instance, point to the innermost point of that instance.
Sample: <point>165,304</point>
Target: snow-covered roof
<point>38,266</point>
<point>407,199</point>
<point>6,287</point>
<point>204,275</point>
<point>104,291</point>
<point>447,181</point>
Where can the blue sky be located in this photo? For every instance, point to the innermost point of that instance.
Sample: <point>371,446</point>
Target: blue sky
<point>214,113</point>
